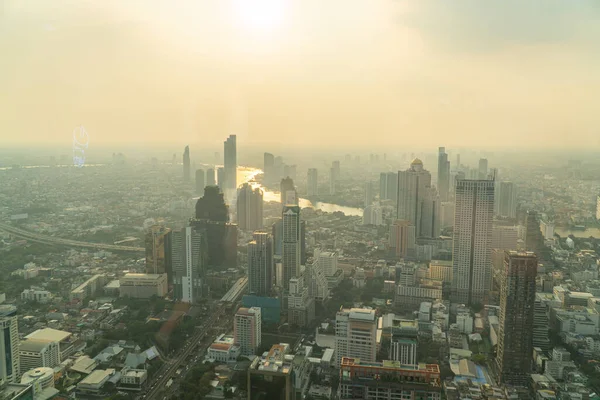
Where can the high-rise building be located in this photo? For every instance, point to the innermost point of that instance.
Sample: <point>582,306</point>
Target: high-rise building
<point>189,258</point>
<point>9,344</point>
<point>210,177</point>
<point>260,264</point>
<point>368,193</point>
<point>336,169</point>
<point>534,240</point>
<point>289,170</point>
<point>249,208</point>
<point>312,180</point>
<point>483,168</point>
<point>186,164</point>
<point>418,202</point>
<point>328,261</point>
<point>443,178</point>
<point>402,238</point>
<point>200,182</point>
<point>373,215</point>
<point>507,200</point>
<point>383,186</point>
<point>404,350</point>
<point>504,237</point>
<point>516,320</point>
<point>472,265</point>
<point>291,256</point>
<point>247,330</point>
<point>447,214</point>
<point>158,251</point>
<point>391,186</point>
<point>272,377</point>
<point>541,326</point>
<point>269,168</point>
<point>356,334</point>
<point>221,178</point>
<point>332,179</point>
<point>288,192</point>
<point>230,163</point>
<point>301,306</point>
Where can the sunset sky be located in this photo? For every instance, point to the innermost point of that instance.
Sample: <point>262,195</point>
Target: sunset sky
<point>326,72</point>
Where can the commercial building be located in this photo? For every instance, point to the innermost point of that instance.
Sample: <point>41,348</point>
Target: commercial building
<point>158,250</point>
<point>356,334</point>
<point>93,383</point>
<point>36,294</point>
<point>332,180</point>
<point>403,350</point>
<point>89,287</point>
<point>291,256</point>
<point>472,264</point>
<point>223,349</point>
<point>249,208</point>
<point>39,378</point>
<point>388,186</point>
<point>507,201</point>
<point>504,237</point>
<point>413,296</point>
<point>312,185</point>
<point>260,264</point>
<point>9,344</point>
<point>402,238</point>
<point>443,176</point>
<point>515,334</point>
<point>328,261</point>
<point>369,196</point>
<point>230,163</point>
<point>373,215</point>
<point>132,379</point>
<point>440,270</point>
<point>186,164</point>
<point>35,353</point>
<point>271,375</point>
<point>189,259</point>
<point>388,380</point>
<point>418,201</point>
<point>65,341</point>
<point>534,240</point>
<point>247,330</point>
<point>301,306</point>
<point>143,286</point>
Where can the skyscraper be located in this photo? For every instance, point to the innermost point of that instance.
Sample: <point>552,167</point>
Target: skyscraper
<point>186,164</point>
<point>392,186</point>
<point>471,256</point>
<point>221,178</point>
<point>356,334</point>
<point>260,264</point>
<point>507,200</point>
<point>368,193</point>
<point>230,163</point>
<point>288,191</point>
<point>210,177</point>
<point>534,240</point>
<point>158,251</point>
<point>247,330</point>
<point>515,333</point>
<point>483,168</point>
<point>189,258</point>
<point>418,202</point>
<point>269,168</point>
<point>402,238</point>
<point>249,208</point>
<point>312,182</point>
<point>9,344</point>
<point>200,182</point>
<point>443,178</point>
<point>291,256</point>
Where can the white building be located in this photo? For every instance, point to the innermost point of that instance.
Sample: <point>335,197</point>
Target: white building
<point>373,215</point>
<point>39,353</point>
<point>93,383</point>
<point>356,334</point>
<point>404,350</point>
<point>40,378</point>
<point>318,286</point>
<point>247,330</point>
<point>63,338</point>
<point>9,345</point>
<point>301,307</point>
<point>187,246</point>
<point>464,321</point>
<point>472,265</point>
<point>327,260</point>
<point>547,229</point>
<point>143,286</point>
<point>223,350</point>
<point>132,379</point>
<point>36,294</point>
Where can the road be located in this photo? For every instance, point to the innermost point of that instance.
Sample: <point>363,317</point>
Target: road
<point>36,237</point>
<point>167,371</point>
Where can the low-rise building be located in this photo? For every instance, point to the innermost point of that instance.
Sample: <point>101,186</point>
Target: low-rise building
<point>36,294</point>
<point>143,286</point>
<point>223,350</point>
<point>132,379</point>
<point>93,383</point>
<point>270,376</point>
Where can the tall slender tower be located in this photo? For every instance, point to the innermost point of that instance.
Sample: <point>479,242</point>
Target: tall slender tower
<point>230,163</point>
<point>249,208</point>
<point>288,192</point>
<point>312,182</point>
<point>471,258</point>
<point>260,264</point>
<point>443,178</point>
<point>291,256</point>
<point>515,334</point>
<point>189,257</point>
<point>9,344</point>
<point>368,193</point>
<point>186,164</point>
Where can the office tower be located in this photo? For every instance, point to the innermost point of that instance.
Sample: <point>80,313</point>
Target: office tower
<point>356,334</point>
<point>373,215</point>
<point>443,178</point>
<point>9,344</point>
<point>260,264</point>
<point>210,177</point>
<point>404,350</point>
<point>289,170</point>
<point>200,182</point>
<point>230,163</point>
<point>301,307</point>
<point>249,208</point>
<point>291,252</point>
<point>316,280</point>
<point>288,191</point>
<point>392,186</point>
<point>504,237</point>
<point>483,168</point>
<point>472,239</point>
<point>332,178</point>
<point>272,377</point>
<point>186,164</point>
<point>541,326</point>
<point>368,193</point>
<point>277,232</point>
<point>269,168</point>
<point>447,215</point>
<point>361,379</point>
<point>507,200</point>
<point>312,186</point>
<point>402,238</point>
<point>328,260</point>
<point>515,333</point>
<point>336,169</point>
<point>221,178</point>
<point>189,258</point>
<point>158,251</point>
<point>247,330</point>
<point>533,235</point>
<point>418,202</point>
<point>212,215</point>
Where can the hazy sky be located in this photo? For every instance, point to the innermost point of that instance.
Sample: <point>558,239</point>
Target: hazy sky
<point>337,72</point>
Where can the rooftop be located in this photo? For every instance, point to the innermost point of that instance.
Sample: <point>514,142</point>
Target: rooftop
<point>49,334</point>
<point>97,377</point>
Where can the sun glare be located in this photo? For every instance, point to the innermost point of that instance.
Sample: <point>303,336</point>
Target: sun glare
<point>259,15</point>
